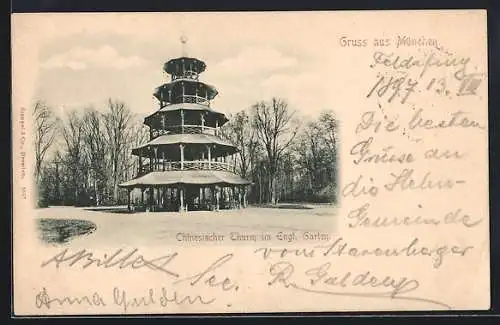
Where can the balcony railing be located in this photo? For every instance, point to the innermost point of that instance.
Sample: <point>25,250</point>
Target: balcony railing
<point>193,99</point>
<point>187,165</point>
<point>187,74</point>
<point>191,129</point>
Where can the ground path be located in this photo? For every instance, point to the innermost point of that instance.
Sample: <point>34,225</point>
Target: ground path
<point>115,227</point>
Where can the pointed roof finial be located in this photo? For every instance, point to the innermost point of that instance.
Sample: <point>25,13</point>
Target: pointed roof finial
<point>183,40</point>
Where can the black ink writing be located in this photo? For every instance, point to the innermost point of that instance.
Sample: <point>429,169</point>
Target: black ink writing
<point>339,247</point>
<point>321,281</point>
<point>363,152</point>
<point>208,277</point>
<point>398,86</point>
<point>42,299</point>
<point>361,219</point>
<point>85,259</point>
<point>356,188</point>
<point>456,120</point>
<point>164,298</point>
<point>369,122</point>
<point>406,180</point>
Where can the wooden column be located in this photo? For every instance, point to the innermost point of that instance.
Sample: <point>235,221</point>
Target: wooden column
<point>161,192</point>
<point>216,127</point>
<point>181,146</point>
<point>163,121</point>
<point>167,195</point>
<point>182,119</point>
<point>203,200</point>
<point>223,195</point>
<point>163,159</point>
<point>150,198</point>
<point>217,197</point>
<point>150,160</point>
<point>202,116</point>
<point>155,164</point>
<point>153,198</point>
<point>233,196</point>
<point>142,196</point>
<point>140,163</point>
<point>181,198</point>
<point>245,196</point>
<point>209,157</point>
<point>239,197</point>
<point>128,198</point>
<point>212,197</point>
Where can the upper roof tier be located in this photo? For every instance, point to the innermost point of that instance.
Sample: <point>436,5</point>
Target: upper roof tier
<point>167,140</point>
<point>179,66</point>
<point>173,92</point>
<point>191,110</point>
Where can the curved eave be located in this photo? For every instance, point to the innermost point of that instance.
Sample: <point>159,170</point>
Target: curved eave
<point>191,177</point>
<point>171,66</point>
<point>176,139</point>
<point>212,91</point>
<point>221,117</point>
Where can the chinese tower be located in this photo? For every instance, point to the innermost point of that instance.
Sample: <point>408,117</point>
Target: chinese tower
<point>186,165</point>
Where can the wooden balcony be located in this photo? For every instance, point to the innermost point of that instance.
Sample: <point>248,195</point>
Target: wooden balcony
<point>187,74</point>
<point>187,165</point>
<point>183,129</point>
<point>192,99</point>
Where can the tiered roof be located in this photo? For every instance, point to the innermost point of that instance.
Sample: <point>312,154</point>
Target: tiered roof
<point>197,177</point>
<point>184,71</point>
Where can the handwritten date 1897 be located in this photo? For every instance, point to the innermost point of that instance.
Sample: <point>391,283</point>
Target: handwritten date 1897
<point>395,86</point>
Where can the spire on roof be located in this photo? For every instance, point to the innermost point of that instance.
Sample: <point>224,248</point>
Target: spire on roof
<point>184,40</point>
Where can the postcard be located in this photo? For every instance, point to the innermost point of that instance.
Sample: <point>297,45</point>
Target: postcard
<point>250,162</point>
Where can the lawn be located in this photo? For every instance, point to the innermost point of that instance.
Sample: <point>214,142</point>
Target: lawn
<point>114,226</point>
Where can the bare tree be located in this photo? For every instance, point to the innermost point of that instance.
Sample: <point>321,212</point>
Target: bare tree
<point>95,149</point>
<point>116,122</point>
<point>275,128</point>
<point>316,155</point>
<point>328,123</point>
<point>137,135</point>
<point>241,133</point>
<point>45,129</point>
<point>73,132</point>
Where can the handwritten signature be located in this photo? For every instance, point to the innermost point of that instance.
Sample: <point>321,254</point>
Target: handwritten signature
<point>320,281</point>
<point>121,297</point>
<point>42,299</point>
<point>118,259</point>
<point>210,276</point>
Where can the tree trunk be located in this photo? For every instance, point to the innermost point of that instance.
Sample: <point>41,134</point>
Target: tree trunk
<point>272,188</point>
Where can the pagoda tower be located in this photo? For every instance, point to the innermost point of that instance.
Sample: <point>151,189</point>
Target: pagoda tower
<point>186,165</point>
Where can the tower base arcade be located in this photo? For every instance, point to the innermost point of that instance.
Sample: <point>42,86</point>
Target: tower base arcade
<point>186,197</point>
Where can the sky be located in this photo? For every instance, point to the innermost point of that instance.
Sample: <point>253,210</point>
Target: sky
<point>84,60</point>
